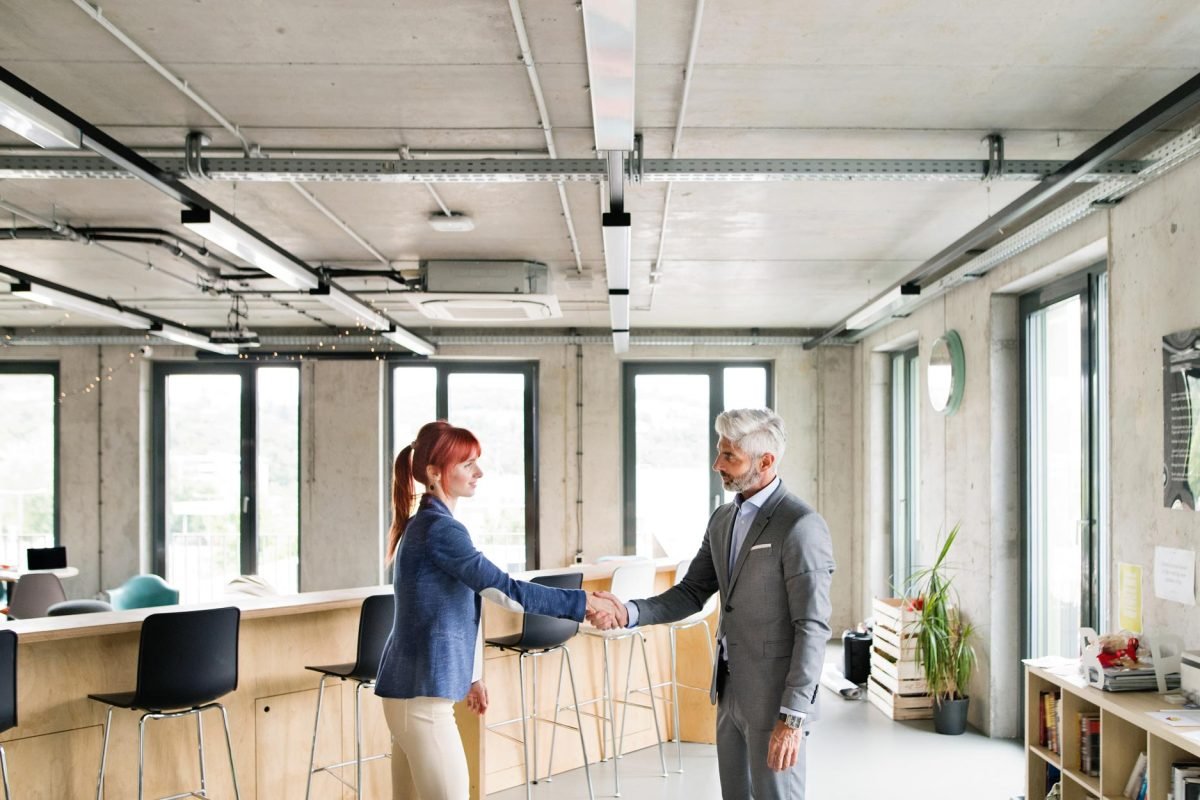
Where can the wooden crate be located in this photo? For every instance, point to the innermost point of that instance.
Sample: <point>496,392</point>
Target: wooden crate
<point>898,706</point>
<point>898,677</point>
<point>899,648</point>
<point>893,614</point>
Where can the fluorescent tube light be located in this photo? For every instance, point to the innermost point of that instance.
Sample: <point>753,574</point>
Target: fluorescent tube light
<point>25,117</point>
<point>451,223</point>
<point>620,341</point>
<point>609,32</point>
<point>334,297</point>
<point>616,230</point>
<point>410,340</point>
<point>82,305</point>
<point>618,308</point>
<point>184,336</point>
<point>883,306</point>
<point>225,234</point>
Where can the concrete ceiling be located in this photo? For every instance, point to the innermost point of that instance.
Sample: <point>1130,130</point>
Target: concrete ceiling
<point>889,79</point>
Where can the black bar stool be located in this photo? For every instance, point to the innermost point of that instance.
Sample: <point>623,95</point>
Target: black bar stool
<point>186,660</point>
<point>540,636</point>
<point>374,625</point>
<point>8,694</point>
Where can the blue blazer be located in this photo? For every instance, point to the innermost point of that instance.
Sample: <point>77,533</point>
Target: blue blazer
<point>438,577</point>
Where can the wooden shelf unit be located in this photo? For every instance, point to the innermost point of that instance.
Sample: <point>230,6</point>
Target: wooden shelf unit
<point>1125,731</point>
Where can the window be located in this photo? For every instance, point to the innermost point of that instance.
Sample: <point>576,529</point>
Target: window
<point>669,446</point>
<point>496,402</point>
<point>906,442</point>
<point>28,459</point>
<point>1064,344</point>
<point>226,476</point>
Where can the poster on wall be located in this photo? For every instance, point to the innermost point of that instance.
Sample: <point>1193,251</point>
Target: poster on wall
<point>1181,419</point>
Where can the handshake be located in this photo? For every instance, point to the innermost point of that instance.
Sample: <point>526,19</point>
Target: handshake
<point>606,611</point>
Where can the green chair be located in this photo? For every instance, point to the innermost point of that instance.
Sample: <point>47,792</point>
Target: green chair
<point>143,591</point>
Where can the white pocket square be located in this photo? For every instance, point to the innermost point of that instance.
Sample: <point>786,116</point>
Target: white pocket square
<point>766,546</point>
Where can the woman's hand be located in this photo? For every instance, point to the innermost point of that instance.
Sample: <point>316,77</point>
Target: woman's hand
<point>477,698</point>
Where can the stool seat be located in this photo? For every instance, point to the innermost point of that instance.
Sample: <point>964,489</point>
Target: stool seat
<point>527,642</point>
<point>347,671</point>
<point>67,607</point>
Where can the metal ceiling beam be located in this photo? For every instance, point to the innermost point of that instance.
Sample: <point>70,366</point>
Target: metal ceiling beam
<point>375,170</point>
<point>1157,116</point>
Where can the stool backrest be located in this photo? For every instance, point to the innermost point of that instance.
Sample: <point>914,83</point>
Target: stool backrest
<point>34,593</point>
<point>634,580</point>
<point>374,625</point>
<point>8,680</point>
<point>541,632</point>
<point>187,658</point>
<point>143,591</point>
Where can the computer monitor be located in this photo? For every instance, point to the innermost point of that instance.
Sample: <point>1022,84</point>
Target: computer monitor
<point>46,557</point>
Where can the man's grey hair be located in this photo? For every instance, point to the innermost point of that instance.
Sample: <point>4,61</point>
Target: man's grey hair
<point>754,431</point>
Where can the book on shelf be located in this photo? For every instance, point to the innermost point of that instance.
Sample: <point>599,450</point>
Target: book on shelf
<point>1136,777</point>
<point>1088,725</point>
<point>1049,720</point>
<point>1181,771</point>
<point>1138,679</point>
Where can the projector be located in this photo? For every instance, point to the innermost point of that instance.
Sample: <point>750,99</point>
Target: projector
<point>236,336</point>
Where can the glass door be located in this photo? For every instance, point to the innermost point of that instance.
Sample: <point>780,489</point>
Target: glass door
<point>670,487</point>
<point>1065,530</point>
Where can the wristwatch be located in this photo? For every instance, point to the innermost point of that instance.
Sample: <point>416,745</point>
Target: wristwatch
<point>793,721</point>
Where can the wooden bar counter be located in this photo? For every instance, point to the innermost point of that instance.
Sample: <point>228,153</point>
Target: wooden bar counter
<point>54,752</point>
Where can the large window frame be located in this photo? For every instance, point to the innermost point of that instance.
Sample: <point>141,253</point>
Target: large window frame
<point>1091,286</point>
<point>50,368</point>
<point>248,549</point>
<point>528,369</point>
<point>716,392</point>
<point>905,457</point>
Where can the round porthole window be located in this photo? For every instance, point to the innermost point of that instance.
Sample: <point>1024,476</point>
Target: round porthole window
<point>946,373</point>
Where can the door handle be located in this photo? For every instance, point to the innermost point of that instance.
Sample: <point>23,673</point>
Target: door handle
<point>246,504</point>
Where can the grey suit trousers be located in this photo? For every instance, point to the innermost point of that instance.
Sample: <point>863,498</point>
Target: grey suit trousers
<point>742,746</point>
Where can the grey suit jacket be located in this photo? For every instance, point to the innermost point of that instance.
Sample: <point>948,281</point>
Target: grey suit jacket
<point>774,606</point>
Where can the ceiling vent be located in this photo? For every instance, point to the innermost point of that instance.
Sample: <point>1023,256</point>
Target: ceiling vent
<point>485,291</point>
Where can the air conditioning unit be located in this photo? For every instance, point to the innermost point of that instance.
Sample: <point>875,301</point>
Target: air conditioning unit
<point>485,291</point>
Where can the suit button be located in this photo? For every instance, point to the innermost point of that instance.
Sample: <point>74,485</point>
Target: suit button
<point>728,608</point>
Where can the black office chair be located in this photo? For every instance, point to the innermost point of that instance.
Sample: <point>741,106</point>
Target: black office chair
<point>186,660</point>
<point>8,694</point>
<point>541,636</point>
<point>69,607</point>
<point>374,625</point>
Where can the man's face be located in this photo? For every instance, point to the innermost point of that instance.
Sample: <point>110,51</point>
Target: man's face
<point>738,471</point>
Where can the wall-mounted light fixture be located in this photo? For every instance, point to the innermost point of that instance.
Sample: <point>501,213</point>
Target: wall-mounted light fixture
<point>224,233</point>
<point>105,310</point>
<point>26,117</point>
<point>882,306</point>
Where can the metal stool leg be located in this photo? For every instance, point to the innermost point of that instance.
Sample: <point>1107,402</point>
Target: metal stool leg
<point>358,741</point>
<point>554,727</point>
<point>533,690</point>
<point>662,759</point>
<point>141,753</point>
<point>312,757</point>
<point>103,756</point>
<point>4,771</point>
<point>237,793</point>
<point>675,698</point>
<point>200,739</point>
<point>625,701</point>
<point>587,770</point>
<point>524,724</point>
<point>605,753</point>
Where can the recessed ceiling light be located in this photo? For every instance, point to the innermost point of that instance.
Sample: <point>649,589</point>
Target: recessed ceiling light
<point>451,223</point>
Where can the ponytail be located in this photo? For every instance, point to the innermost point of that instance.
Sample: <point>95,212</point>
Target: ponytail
<point>403,494</point>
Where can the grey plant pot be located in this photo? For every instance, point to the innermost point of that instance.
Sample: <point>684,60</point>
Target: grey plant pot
<point>950,716</point>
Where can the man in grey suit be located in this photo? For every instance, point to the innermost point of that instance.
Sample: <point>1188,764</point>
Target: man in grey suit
<point>770,556</point>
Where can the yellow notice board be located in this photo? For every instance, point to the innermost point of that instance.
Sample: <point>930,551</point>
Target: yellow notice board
<point>1129,597</point>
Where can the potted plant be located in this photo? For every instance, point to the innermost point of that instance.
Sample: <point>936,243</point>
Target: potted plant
<point>944,647</point>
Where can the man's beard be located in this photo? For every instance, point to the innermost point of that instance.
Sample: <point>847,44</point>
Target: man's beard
<point>742,482</point>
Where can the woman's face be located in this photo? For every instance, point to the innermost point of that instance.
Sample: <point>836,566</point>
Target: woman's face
<point>460,480</point>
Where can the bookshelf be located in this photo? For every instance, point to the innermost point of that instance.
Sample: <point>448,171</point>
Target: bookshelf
<point>1125,731</point>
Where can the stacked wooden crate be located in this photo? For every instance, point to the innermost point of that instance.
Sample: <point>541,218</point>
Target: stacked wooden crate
<point>897,683</point>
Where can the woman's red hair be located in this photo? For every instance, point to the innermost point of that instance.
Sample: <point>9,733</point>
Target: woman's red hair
<point>438,444</point>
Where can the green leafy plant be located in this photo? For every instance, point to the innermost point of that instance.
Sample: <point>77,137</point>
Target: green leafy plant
<point>944,647</point>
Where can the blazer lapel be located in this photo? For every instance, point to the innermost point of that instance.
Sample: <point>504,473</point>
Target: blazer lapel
<point>760,524</point>
<point>722,527</point>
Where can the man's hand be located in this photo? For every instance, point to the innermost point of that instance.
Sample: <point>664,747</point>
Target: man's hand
<point>605,611</point>
<point>785,747</point>
<point>477,698</point>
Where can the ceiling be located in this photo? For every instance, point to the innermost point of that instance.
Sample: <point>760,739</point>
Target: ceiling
<point>773,79</point>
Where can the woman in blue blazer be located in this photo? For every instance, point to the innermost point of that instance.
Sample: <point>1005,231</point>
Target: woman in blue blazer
<point>433,656</point>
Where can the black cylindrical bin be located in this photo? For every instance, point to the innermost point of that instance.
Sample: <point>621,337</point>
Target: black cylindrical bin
<point>856,656</point>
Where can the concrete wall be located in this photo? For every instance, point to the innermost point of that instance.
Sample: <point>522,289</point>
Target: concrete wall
<point>105,452</point>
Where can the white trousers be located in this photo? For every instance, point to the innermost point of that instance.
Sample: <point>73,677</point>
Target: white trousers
<point>428,762</point>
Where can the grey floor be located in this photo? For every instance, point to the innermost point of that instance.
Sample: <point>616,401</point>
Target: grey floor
<point>855,753</point>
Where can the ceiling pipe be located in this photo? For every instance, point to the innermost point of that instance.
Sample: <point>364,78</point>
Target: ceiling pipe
<point>310,152</point>
<point>518,18</point>
<point>1158,115</point>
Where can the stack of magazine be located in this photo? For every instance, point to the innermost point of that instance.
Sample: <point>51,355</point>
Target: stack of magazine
<point>1141,679</point>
